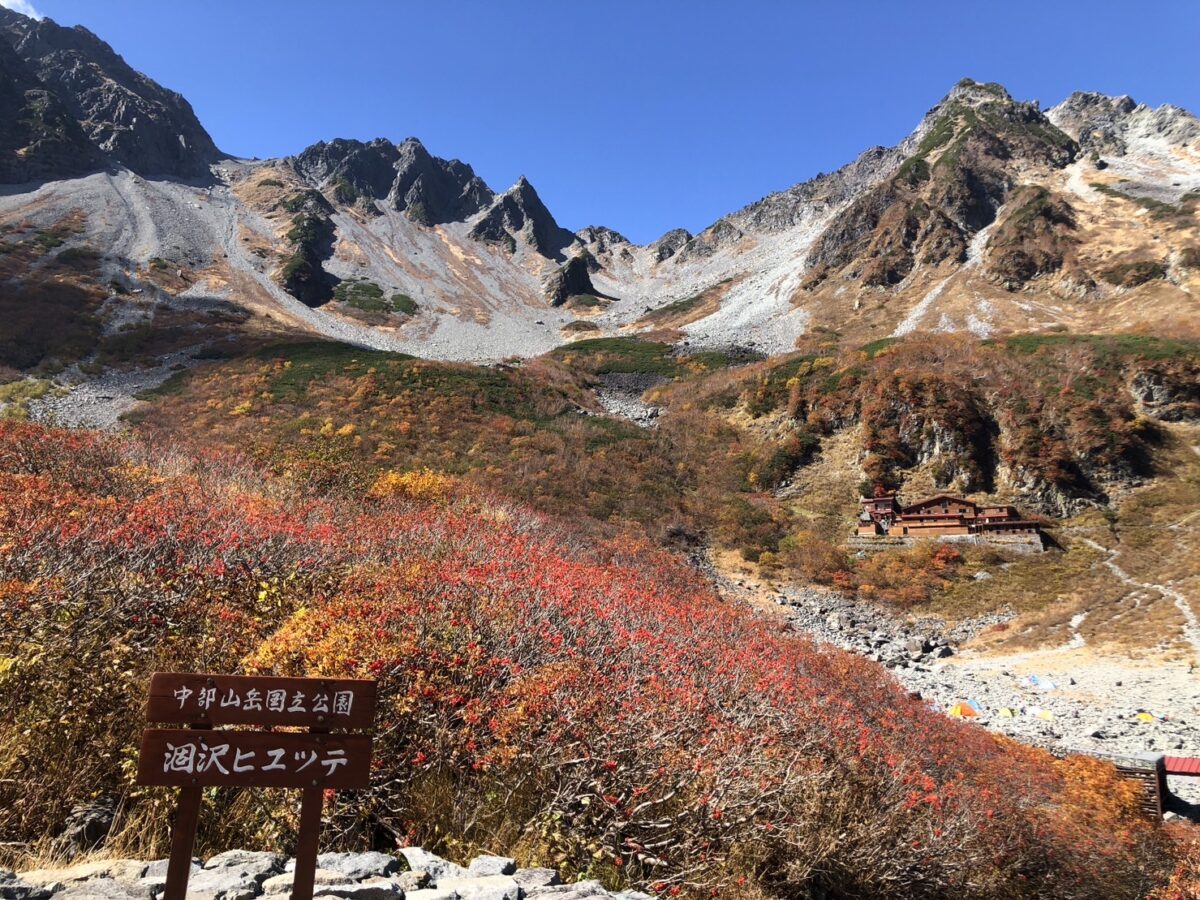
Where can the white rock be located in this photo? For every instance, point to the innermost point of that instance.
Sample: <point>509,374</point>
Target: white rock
<point>125,870</point>
<point>490,887</point>
<point>103,889</point>
<point>282,884</point>
<point>492,865</point>
<point>437,867</point>
<point>536,878</point>
<point>377,888</point>
<point>431,894</point>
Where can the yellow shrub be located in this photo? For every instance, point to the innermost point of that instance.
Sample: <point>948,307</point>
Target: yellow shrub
<point>424,485</point>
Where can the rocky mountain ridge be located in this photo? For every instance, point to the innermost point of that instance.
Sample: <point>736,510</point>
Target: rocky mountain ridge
<point>991,217</point>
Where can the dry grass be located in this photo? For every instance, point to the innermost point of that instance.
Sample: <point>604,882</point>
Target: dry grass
<point>1155,532</point>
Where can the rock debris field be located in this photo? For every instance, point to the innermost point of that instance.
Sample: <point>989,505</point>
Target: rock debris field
<point>414,874</point>
<point>1065,699</point>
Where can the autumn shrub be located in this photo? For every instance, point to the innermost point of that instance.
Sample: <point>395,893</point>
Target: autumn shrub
<point>905,578</point>
<point>1184,883</point>
<point>591,705</point>
<point>426,485</point>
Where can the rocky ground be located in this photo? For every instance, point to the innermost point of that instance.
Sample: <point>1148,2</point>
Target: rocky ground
<point>620,393</point>
<point>100,402</point>
<point>414,874</point>
<point>1065,699</point>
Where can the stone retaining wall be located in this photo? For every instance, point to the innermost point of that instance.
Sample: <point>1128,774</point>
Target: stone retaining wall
<point>1018,543</point>
<point>414,874</point>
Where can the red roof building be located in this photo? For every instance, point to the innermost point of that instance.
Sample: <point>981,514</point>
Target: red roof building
<point>938,516</point>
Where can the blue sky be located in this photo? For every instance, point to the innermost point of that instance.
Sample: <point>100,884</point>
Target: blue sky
<point>638,115</point>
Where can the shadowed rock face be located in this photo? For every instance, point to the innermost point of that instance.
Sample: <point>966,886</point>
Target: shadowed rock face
<point>66,83</point>
<point>571,279</point>
<point>670,244</point>
<point>431,191</point>
<point>519,214</point>
<point>39,138</point>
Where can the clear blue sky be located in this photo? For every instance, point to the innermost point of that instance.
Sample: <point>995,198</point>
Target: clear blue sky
<point>639,115</point>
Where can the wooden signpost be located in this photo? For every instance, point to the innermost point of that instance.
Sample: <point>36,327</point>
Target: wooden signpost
<point>200,756</point>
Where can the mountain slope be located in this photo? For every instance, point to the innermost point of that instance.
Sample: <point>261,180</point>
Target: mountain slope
<point>992,217</point>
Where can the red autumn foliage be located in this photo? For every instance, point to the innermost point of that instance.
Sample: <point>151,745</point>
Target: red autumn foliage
<point>579,704</point>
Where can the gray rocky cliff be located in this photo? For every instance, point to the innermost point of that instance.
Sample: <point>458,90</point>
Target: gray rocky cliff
<point>69,74</point>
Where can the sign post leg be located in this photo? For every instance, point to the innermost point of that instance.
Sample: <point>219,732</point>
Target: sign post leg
<point>306,849</point>
<point>183,840</point>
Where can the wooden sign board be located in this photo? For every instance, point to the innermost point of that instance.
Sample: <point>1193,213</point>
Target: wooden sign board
<point>201,756</point>
<point>200,699</point>
<point>187,758</point>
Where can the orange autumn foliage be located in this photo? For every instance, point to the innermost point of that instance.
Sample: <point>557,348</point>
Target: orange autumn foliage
<point>579,702</point>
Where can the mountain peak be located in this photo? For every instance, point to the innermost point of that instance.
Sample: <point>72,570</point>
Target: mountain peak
<point>520,214</point>
<point>1113,125</point>
<point>127,118</point>
<point>429,190</point>
<point>979,91</point>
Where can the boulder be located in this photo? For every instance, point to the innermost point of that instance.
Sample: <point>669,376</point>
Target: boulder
<point>431,894</point>
<point>125,870</point>
<point>529,879</point>
<point>282,884</point>
<point>412,880</point>
<point>158,868</point>
<point>255,861</point>
<point>375,888</point>
<point>13,888</point>
<point>492,865</point>
<point>87,826</point>
<point>234,875</point>
<point>438,868</point>
<point>228,883</point>
<point>580,890</point>
<point>104,889</point>
<point>357,866</point>
<point>155,877</point>
<point>489,887</point>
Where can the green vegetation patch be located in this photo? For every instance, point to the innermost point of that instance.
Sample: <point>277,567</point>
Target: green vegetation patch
<point>1134,273</point>
<point>580,327</point>
<point>403,303</point>
<point>602,356</point>
<point>584,301</point>
<point>1110,348</point>
<point>368,296</point>
<point>1157,208</point>
<point>364,295</point>
<point>674,310</point>
<point>874,348</point>
<point>49,239</point>
<point>632,355</point>
<point>80,259</point>
<point>16,396</point>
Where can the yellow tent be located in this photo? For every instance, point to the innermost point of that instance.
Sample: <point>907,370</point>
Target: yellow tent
<point>1145,717</point>
<point>1045,714</point>
<point>962,711</point>
<point>1006,713</point>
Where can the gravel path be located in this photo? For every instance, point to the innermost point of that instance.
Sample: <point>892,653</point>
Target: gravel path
<point>1191,628</point>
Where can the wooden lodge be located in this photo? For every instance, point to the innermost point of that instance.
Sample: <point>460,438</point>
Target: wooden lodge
<point>940,516</point>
